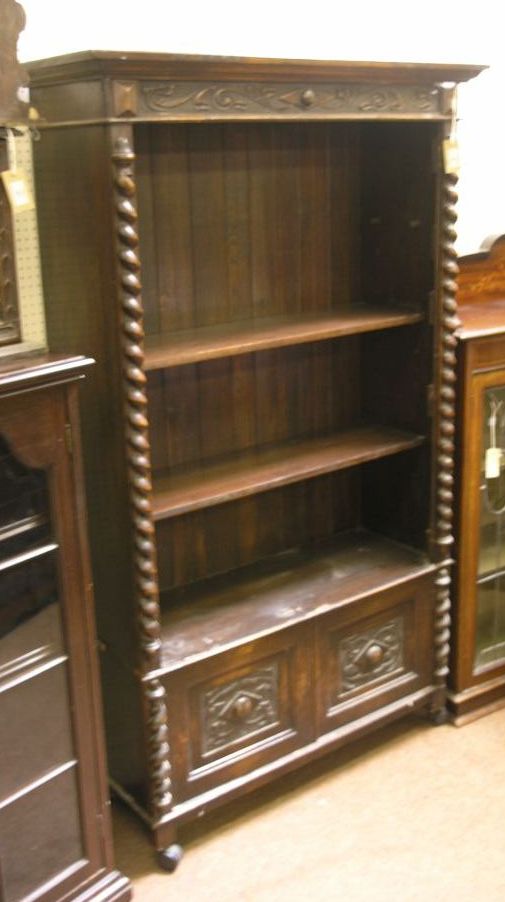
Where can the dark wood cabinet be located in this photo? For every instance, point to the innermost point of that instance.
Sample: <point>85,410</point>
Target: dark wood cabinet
<point>259,255</point>
<point>478,659</point>
<point>55,834</point>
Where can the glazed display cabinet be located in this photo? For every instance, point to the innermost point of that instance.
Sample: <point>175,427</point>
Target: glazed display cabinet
<point>259,255</point>
<point>55,832</point>
<point>478,667</point>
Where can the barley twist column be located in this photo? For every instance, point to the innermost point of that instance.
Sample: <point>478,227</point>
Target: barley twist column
<point>445,437</point>
<point>138,456</point>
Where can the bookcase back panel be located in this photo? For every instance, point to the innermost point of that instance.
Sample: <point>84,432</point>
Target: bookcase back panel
<point>396,495</point>
<point>398,207</point>
<point>198,412</point>
<point>397,367</point>
<point>219,539</point>
<point>245,220</point>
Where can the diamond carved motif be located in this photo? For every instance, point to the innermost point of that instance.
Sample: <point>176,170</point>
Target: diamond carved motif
<point>240,709</point>
<point>365,657</point>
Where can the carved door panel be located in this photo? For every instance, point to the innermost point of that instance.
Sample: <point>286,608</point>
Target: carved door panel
<point>373,652</point>
<point>239,712</point>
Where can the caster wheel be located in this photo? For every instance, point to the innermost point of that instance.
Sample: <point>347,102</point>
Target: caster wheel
<point>439,717</point>
<point>169,858</point>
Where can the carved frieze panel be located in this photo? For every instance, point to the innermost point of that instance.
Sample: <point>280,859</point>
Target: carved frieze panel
<point>367,656</point>
<point>9,319</point>
<point>241,100</point>
<point>239,709</point>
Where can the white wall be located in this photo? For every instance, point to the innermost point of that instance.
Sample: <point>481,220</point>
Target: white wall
<point>430,31</point>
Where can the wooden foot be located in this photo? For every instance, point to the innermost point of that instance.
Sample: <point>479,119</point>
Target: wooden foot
<point>169,858</point>
<point>439,716</point>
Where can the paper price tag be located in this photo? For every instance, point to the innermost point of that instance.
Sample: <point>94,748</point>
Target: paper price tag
<point>492,464</point>
<point>451,156</point>
<point>17,190</point>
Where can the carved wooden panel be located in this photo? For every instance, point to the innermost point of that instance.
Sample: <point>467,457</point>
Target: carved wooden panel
<point>241,100</point>
<point>12,75</point>
<point>236,710</point>
<point>367,656</point>
<point>9,319</point>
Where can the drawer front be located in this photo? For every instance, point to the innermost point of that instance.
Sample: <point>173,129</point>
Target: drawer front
<point>374,651</point>
<point>239,710</point>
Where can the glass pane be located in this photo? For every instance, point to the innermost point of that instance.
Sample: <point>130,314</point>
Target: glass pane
<point>490,645</point>
<point>38,777</point>
<point>29,611</point>
<point>490,634</point>
<point>39,837</point>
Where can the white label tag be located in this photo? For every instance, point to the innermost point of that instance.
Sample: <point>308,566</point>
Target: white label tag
<point>17,190</point>
<point>492,465</point>
<point>451,156</point>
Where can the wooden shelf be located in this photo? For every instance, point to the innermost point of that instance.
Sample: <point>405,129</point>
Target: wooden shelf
<point>17,527</point>
<point>240,475</point>
<point>225,611</point>
<point>211,342</point>
<point>26,556</point>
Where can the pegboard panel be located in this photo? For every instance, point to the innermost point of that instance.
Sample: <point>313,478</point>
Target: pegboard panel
<point>31,301</point>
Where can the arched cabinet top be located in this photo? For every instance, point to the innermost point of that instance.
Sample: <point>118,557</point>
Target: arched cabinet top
<point>481,290</point>
<point>32,438</point>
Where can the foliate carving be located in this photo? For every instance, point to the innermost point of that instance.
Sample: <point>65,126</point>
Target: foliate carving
<point>240,709</point>
<point>13,78</point>
<point>364,657</point>
<point>9,320</point>
<point>139,471</point>
<point>236,99</point>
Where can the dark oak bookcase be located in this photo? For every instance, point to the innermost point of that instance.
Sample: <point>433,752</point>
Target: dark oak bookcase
<point>259,255</point>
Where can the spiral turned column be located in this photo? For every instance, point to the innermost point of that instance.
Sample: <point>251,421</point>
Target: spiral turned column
<point>138,455</point>
<point>445,447</point>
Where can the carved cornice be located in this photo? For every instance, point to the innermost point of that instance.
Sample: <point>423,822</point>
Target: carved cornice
<point>242,100</point>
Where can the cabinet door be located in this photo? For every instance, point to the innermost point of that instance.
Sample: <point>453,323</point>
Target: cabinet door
<point>48,843</point>
<point>373,652</point>
<point>482,547</point>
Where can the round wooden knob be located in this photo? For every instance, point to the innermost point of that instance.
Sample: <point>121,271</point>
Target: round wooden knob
<point>374,655</point>
<point>242,707</point>
<point>308,97</point>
